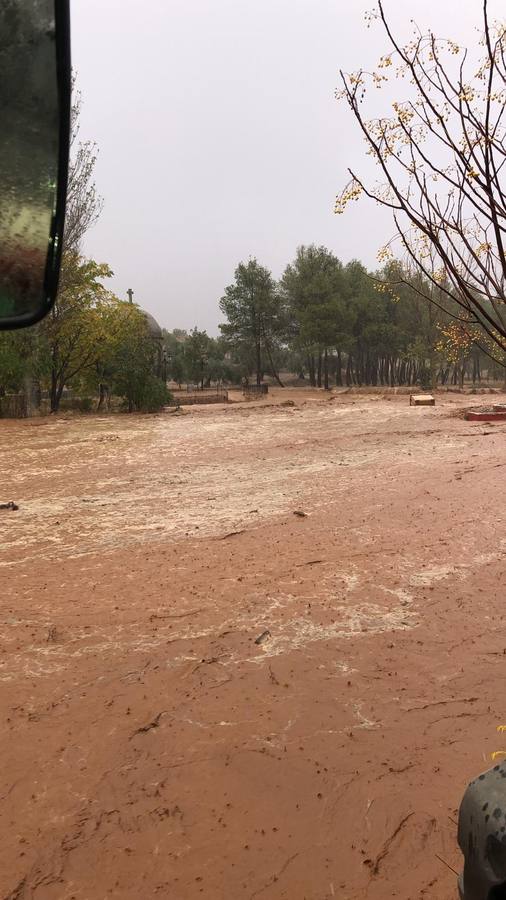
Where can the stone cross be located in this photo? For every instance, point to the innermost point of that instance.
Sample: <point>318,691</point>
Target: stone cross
<point>130,295</point>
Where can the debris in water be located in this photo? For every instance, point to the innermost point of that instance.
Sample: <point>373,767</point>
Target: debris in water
<point>422,400</point>
<point>263,637</point>
<point>150,725</point>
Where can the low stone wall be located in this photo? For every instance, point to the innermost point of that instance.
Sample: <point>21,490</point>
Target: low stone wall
<point>190,398</point>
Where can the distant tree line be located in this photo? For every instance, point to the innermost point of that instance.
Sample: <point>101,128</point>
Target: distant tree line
<point>331,324</point>
<point>325,322</point>
<point>328,323</point>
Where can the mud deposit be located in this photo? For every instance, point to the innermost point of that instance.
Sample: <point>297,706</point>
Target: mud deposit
<point>150,746</point>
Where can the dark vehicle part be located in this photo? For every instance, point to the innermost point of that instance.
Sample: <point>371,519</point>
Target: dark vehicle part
<point>482,837</point>
<point>35,90</point>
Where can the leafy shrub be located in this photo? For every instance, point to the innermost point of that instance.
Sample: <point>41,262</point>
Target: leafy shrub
<point>146,394</point>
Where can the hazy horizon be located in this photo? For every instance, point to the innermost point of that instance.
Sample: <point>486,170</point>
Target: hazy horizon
<point>219,137</point>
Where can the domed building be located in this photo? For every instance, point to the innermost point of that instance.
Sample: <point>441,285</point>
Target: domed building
<point>153,326</point>
<point>156,335</point>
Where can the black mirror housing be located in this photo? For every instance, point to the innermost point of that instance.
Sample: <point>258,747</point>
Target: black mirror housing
<point>482,836</point>
<point>35,101</point>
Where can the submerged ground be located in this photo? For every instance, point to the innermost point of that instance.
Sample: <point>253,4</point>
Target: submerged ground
<point>252,651</point>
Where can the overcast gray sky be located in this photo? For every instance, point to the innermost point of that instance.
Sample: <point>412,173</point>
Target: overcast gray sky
<point>220,138</point>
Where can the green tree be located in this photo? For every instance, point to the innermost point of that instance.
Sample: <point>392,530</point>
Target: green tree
<point>72,333</point>
<point>256,319</point>
<point>218,365</point>
<point>197,353</point>
<point>174,343</point>
<point>130,358</point>
<point>74,329</point>
<point>312,286</point>
<point>15,361</point>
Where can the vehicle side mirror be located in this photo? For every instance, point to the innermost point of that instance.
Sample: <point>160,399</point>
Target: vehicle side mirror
<point>35,91</point>
<point>482,837</point>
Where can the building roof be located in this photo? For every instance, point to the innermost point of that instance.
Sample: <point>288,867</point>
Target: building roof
<point>153,327</point>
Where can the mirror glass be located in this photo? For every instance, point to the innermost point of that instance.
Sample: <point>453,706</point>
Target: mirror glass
<point>30,113</point>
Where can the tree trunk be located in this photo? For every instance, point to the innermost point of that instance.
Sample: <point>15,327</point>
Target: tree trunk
<point>103,396</point>
<point>374,371</point>
<point>339,373</point>
<point>310,366</point>
<point>326,370</point>
<point>36,394</point>
<point>349,371</point>
<point>273,369</point>
<point>55,392</point>
<point>319,378</point>
<point>476,366</point>
<point>433,369</point>
<point>258,361</point>
<point>358,367</point>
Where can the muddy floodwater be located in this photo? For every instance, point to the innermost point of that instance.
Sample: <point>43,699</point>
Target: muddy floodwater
<point>248,651</point>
